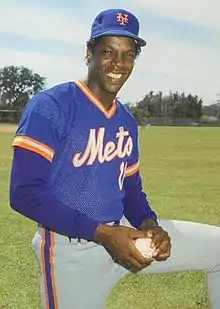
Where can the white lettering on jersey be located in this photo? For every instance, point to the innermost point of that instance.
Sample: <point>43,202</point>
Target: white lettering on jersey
<point>122,175</point>
<point>96,150</point>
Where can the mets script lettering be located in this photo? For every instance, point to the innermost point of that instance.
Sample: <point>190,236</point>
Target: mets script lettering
<point>96,150</point>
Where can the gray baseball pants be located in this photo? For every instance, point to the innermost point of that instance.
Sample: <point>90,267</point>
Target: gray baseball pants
<point>77,275</point>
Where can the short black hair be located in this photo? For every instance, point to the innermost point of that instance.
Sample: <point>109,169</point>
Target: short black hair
<point>91,44</point>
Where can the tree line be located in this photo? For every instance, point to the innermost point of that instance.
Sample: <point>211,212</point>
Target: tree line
<point>19,83</point>
<point>174,109</point>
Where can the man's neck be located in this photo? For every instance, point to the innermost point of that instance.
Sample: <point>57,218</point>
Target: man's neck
<point>105,98</point>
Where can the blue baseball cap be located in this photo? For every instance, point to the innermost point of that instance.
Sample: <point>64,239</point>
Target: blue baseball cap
<point>116,22</point>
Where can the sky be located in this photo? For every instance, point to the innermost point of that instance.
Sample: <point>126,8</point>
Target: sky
<point>182,52</point>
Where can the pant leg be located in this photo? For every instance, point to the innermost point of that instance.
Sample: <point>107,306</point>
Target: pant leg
<point>195,246</point>
<point>73,275</point>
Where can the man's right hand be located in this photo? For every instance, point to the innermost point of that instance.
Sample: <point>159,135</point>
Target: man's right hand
<point>119,241</point>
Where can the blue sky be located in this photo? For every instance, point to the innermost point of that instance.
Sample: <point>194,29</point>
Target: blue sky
<point>183,51</point>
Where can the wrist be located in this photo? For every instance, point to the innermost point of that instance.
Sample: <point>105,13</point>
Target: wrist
<point>148,224</point>
<point>102,233</point>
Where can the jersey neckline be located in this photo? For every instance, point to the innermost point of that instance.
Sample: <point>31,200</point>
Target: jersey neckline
<point>92,97</point>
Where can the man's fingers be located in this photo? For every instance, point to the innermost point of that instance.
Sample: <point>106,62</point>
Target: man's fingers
<point>159,238</point>
<point>163,252</point>
<point>162,257</point>
<point>156,240</point>
<point>134,264</point>
<point>164,247</point>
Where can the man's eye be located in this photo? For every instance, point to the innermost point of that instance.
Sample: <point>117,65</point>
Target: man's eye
<point>107,52</point>
<point>131,56</point>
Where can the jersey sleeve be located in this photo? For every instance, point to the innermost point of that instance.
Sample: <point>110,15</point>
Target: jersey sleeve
<point>136,205</point>
<point>133,162</point>
<point>42,126</point>
<point>31,196</point>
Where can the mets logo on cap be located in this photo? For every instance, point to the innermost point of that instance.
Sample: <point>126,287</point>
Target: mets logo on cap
<point>122,18</point>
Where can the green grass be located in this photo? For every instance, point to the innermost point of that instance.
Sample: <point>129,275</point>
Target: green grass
<point>181,174</point>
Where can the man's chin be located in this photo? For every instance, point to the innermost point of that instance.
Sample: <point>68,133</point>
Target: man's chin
<point>113,90</point>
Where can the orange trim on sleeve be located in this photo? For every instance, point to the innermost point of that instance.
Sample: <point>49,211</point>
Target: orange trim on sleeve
<point>131,170</point>
<point>34,145</point>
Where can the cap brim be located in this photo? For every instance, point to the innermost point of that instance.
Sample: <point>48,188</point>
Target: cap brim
<point>141,42</point>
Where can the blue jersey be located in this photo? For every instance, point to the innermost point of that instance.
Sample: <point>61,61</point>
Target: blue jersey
<point>92,152</point>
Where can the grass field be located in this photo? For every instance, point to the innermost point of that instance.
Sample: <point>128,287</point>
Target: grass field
<point>181,174</point>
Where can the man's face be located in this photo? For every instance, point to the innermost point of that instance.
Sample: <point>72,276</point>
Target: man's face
<point>111,63</point>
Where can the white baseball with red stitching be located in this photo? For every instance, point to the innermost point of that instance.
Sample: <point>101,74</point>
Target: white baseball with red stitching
<point>143,245</point>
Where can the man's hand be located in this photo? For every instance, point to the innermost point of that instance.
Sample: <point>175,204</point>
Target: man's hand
<point>119,241</point>
<point>160,239</point>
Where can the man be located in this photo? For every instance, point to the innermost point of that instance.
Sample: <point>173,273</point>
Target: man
<point>76,173</point>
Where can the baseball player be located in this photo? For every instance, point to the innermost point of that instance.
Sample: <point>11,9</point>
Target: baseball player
<point>76,173</point>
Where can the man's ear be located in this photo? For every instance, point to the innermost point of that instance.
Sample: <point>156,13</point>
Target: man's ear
<point>88,57</point>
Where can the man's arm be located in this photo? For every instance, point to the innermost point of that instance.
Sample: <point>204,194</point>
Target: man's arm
<point>140,215</point>
<point>136,206</point>
<point>31,195</point>
<point>41,129</point>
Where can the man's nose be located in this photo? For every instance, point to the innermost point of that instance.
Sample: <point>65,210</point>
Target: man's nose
<point>118,60</point>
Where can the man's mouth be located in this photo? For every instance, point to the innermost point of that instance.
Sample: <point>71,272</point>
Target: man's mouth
<point>114,76</point>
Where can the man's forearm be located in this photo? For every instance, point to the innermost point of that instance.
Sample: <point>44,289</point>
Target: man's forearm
<point>136,206</point>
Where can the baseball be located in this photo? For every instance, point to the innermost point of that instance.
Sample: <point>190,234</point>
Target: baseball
<point>143,245</point>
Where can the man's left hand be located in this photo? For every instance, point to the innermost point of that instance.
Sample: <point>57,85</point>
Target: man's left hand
<point>160,239</point>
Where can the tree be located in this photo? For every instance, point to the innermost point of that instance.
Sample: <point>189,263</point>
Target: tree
<point>211,110</point>
<point>168,109</point>
<point>17,84</point>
